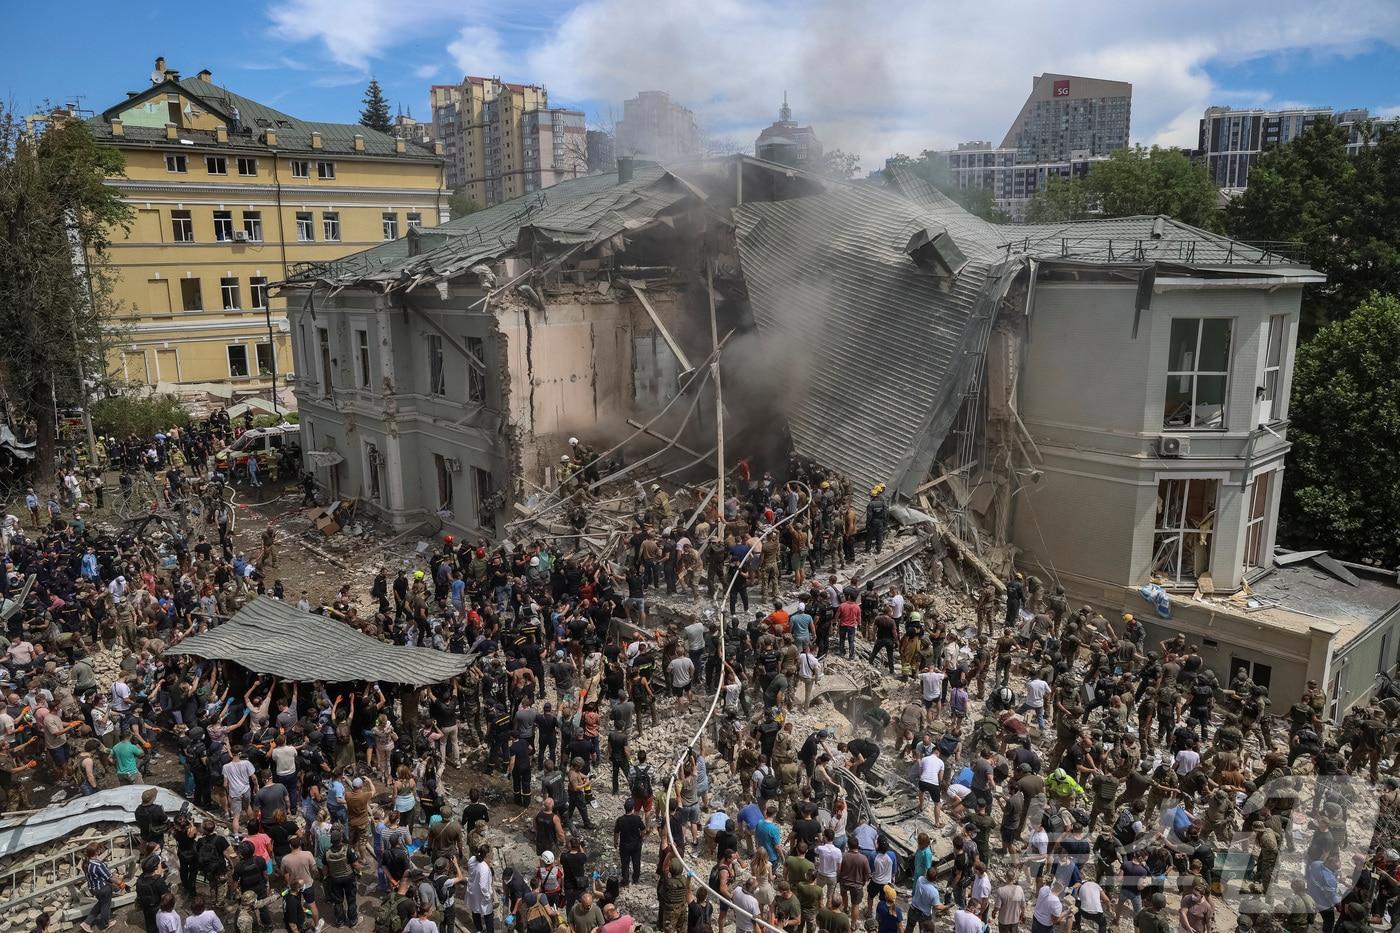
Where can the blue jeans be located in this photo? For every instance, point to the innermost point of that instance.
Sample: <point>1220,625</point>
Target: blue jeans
<point>848,641</point>
<point>1039,714</point>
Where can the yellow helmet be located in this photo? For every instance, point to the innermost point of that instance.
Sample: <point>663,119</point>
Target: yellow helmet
<point>1127,617</point>
<point>877,489</point>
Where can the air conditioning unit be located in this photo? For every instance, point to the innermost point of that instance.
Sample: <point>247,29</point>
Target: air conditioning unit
<point>1173,445</point>
<point>454,464</point>
<point>240,236</point>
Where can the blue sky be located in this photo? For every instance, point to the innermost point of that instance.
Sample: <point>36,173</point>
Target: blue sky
<point>873,77</point>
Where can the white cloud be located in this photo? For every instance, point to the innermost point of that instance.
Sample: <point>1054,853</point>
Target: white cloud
<point>873,77</point>
<point>426,72</point>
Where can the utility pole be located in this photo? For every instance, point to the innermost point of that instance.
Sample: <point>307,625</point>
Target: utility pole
<point>719,394</point>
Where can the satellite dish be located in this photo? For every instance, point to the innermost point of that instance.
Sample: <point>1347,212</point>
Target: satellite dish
<point>157,76</point>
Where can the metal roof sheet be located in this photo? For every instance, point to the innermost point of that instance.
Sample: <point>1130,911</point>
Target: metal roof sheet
<point>269,636</point>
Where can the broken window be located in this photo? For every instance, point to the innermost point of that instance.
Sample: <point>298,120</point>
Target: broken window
<point>1273,364</point>
<point>485,497</point>
<point>1198,368</point>
<point>372,470</point>
<point>437,378</point>
<point>1185,525</point>
<point>1254,534</point>
<point>323,339</point>
<point>476,372</point>
<point>362,357</point>
<point>444,482</point>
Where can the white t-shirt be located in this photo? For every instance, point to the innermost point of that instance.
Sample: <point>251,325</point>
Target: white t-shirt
<point>932,682</point>
<point>1090,897</point>
<point>1036,689</point>
<point>959,792</point>
<point>284,758</point>
<point>1047,907</point>
<point>1187,761</point>
<point>238,774</point>
<point>897,606</point>
<point>121,696</point>
<point>682,671</point>
<point>982,887</point>
<point>930,770</point>
<point>965,921</point>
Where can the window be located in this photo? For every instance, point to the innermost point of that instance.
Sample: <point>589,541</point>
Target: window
<point>323,339</point>
<point>415,220</point>
<point>1262,674</point>
<point>267,362</point>
<point>1383,659</point>
<point>223,226</point>
<point>391,226</point>
<point>177,164</point>
<point>362,357</point>
<point>301,168</point>
<point>444,482</point>
<point>437,378</point>
<point>476,374</point>
<point>306,229</point>
<point>247,165</point>
<point>190,297</point>
<point>485,497</point>
<point>252,225</point>
<point>1273,363</point>
<point>372,469</point>
<point>181,227</point>
<point>1334,696</point>
<point>237,361</point>
<point>325,169</point>
<point>1254,532</point>
<point>257,292</point>
<point>216,165</point>
<point>1198,364</point>
<point>330,226</point>
<point>1185,522</point>
<point>228,290</point>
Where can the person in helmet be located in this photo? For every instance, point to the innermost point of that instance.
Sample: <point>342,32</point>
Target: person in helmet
<point>877,513</point>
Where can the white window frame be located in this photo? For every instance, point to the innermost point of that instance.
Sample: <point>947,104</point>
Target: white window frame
<point>176,163</point>
<point>476,376</point>
<point>223,226</point>
<point>415,220</point>
<point>330,226</point>
<point>216,165</point>
<point>228,293</point>
<point>390,223</point>
<point>252,225</point>
<point>257,292</point>
<point>1274,333</point>
<point>1256,528</point>
<point>229,353</point>
<point>301,168</point>
<point>325,170</point>
<point>362,357</point>
<point>1195,374</point>
<point>306,227</point>
<point>181,226</point>
<point>437,368</point>
<point>250,163</point>
<point>1179,529</point>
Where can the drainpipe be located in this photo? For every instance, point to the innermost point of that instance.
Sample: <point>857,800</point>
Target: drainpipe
<point>267,309</point>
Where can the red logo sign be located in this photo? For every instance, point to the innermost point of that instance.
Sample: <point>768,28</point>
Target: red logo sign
<point>1061,88</point>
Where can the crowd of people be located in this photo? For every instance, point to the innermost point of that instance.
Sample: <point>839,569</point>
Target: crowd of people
<point>1066,772</point>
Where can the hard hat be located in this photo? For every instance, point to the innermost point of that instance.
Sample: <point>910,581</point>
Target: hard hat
<point>1127,617</point>
<point>447,539</point>
<point>826,484</point>
<point>573,442</point>
<point>547,857</point>
<point>417,574</point>
<point>877,489</point>
<point>655,487</point>
<point>564,459</point>
<point>534,562</point>
<point>916,616</point>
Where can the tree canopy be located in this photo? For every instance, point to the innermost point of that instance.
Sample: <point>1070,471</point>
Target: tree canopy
<point>1132,182</point>
<point>460,204</point>
<point>836,163</point>
<point>1345,428</point>
<point>1344,211</point>
<point>375,114</point>
<point>932,167</point>
<point>143,416</point>
<point>56,218</point>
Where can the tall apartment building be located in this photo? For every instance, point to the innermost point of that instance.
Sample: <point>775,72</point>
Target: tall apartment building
<point>1065,126</point>
<point>656,128</point>
<point>501,140</point>
<point>228,198</point>
<point>1231,140</point>
<point>602,151</point>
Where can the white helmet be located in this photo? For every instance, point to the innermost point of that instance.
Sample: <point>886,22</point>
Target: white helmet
<point>573,442</point>
<point>564,459</point>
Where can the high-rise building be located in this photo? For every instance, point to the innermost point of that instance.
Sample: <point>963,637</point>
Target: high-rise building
<point>602,152</point>
<point>1066,125</point>
<point>501,140</point>
<point>656,128</point>
<point>786,142</point>
<point>228,198</point>
<point>1231,140</point>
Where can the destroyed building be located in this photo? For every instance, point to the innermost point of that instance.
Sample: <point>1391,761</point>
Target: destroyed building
<point>1100,404</point>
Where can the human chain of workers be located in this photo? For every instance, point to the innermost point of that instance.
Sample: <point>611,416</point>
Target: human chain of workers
<point>1081,775</point>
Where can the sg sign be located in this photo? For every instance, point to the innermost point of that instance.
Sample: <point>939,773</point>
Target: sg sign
<point>1061,88</point>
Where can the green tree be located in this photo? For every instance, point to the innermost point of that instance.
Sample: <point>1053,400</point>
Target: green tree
<point>1060,200</point>
<point>375,114</point>
<point>932,167</point>
<point>460,204</point>
<point>142,415</point>
<point>1343,210</point>
<point>836,163</point>
<point>1341,492</point>
<point>56,217</point>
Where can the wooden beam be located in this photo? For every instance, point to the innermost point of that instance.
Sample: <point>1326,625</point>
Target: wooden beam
<point>661,328</point>
<point>661,437</point>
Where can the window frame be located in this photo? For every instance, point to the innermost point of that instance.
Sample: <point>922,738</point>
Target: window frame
<point>476,376</point>
<point>437,367</point>
<point>444,483</point>
<point>1257,520</point>
<point>252,226</point>
<point>362,358</point>
<point>216,165</point>
<point>301,168</point>
<point>306,227</point>
<point>329,218</point>
<point>389,223</point>
<point>414,220</point>
<point>325,170</point>
<point>324,363</point>
<point>198,293</point>
<point>181,226</point>
<point>1179,532</point>
<point>1196,374</point>
<point>176,163</point>
<point>229,297</point>
<point>243,349</point>
<point>257,292</point>
<point>1274,330</point>
<point>373,476</point>
<point>271,367</point>
<point>223,227</point>
<point>249,162</point>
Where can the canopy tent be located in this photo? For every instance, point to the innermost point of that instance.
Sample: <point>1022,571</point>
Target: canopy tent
<point>270,636</point>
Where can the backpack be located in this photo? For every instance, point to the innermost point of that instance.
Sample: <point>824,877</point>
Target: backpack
<point>387,920</point>
<point>1202,693</point>
<point>338,864</point>
<point>1123,827</point>
<point>769,786</point>
<point>641,784</point>
<point>209,854</point>
<point>537,918</point>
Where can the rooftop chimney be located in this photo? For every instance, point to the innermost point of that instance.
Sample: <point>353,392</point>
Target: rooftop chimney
<point>359,142</point>
<point>118,129</point>
<point>399,146</point>
<point>626,165</point>
<point>315,140</point>
<point>221,133</point>
<point>270,136</point>
<point>204,74</point>
<point>170,129</point>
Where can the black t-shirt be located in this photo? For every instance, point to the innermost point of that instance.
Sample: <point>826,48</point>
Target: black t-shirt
<point>575,870</point>
<point>521,750</point>
<point>629,828</point>
<point>444,713</point>
<point>473,812</point>
<point>281,836</point>
<point>809,831</point>
<point>864,748</point>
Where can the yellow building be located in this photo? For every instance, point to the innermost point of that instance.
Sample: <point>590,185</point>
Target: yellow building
<point>228,197</point>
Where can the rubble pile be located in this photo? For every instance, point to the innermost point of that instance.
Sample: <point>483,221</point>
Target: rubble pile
<point>107,664</point>
<point>49,878</point>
